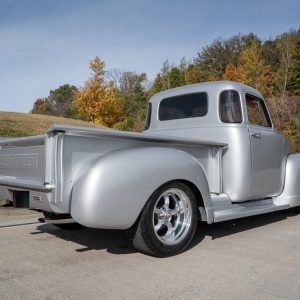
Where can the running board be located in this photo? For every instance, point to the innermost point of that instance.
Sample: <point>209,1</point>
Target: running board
<point>236,211</point>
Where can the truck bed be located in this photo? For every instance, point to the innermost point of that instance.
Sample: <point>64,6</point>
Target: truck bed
<point>47,165</point>
<point>126,135</point>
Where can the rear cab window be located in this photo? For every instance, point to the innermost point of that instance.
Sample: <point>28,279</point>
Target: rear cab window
<point>257,111</point>
<point>183,106</point>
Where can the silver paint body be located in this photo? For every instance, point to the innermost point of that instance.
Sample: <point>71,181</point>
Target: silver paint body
<point>103,178</point>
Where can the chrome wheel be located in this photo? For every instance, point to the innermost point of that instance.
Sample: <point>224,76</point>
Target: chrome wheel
<point>172,216</point>
<point>168,221</point>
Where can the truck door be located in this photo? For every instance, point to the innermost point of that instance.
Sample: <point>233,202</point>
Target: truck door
<point>267,149</point>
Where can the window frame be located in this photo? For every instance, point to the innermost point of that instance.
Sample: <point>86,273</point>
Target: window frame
<point>264,108</point>
<point>148,116</point>
<point>177,96</point>
<point>241,106</point>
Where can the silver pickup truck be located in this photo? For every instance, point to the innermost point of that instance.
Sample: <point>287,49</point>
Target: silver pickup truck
<point>209,152</point>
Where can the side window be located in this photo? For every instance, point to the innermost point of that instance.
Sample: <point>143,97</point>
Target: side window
<point>183,106</point>
<point>230,107</point>
<point>257,111</point>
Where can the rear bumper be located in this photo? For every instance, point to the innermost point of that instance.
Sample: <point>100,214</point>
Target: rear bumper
<point>25,184</point>
<point>40,196</point>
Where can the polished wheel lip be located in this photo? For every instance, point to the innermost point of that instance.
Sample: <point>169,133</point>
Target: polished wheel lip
<point>172,216</point>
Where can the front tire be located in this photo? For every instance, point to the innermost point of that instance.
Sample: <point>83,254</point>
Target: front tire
<point>168,221</point>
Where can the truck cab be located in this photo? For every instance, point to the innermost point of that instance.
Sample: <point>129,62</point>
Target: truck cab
<point>253,163</point>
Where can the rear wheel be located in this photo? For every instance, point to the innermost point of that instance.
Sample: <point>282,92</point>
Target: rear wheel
<point>168,221</point>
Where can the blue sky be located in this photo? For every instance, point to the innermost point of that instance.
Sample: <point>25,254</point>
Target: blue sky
<point>47,43</point>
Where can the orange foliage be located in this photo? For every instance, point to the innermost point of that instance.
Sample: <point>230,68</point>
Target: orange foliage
<point>97,98</point>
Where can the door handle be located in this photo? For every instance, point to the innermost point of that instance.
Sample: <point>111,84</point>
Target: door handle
<point>256,135</point>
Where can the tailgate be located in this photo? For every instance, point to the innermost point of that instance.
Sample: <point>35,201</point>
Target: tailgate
<point>22,163</point>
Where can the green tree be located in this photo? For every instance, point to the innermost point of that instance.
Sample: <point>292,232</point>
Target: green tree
<point>271,54</point>
<point>176,78</point>
<point>285,46</point>
<point>131,89</point>
<point>292,132</point>
<point>213,59</point>
<point>158,85</point>
<point>194,74</point>
<point>61,100</point>
<point>294,82</point>
<point>165,70</point>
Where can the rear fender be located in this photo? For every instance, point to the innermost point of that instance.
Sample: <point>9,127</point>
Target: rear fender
<point>110,192</point>
<point>291,190</point>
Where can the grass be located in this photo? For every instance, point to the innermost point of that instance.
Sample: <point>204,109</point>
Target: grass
<point>22,124</point>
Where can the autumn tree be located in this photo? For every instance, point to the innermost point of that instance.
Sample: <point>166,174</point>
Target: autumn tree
<point>235,73</point>
<point>257,73</point>
<point>251,69</point>
<point>59,103</point>
<point>42,106</point>
<point>194,74</point>
<point>98,98</point>
<point>265,65</point>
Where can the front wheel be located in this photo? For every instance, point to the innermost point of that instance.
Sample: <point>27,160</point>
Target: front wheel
<point>168,221</point>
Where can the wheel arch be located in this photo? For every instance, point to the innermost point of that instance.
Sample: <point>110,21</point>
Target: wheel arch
<point>194,189</point>
<point>105,193</point>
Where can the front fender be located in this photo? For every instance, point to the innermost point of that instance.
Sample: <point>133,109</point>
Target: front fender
<point>111,191</point>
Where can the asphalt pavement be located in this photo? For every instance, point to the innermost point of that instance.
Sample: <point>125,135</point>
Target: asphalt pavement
<point>252,258</point>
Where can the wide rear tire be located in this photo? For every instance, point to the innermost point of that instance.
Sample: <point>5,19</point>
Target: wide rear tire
<point>168,221</point>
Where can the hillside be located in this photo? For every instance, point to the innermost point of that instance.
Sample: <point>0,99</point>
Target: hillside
<point>22,124</point>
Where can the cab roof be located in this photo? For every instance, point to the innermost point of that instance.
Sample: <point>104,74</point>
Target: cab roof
<point>213,86</point>
<point>213,90</point>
